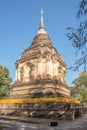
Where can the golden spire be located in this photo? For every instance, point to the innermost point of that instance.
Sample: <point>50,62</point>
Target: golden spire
<point>41,20</point>
<point>41,28</point>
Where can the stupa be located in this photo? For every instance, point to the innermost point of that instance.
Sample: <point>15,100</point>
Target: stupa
<point>40,71</point>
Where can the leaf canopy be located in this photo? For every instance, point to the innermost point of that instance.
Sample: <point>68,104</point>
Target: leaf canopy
<point>5,81</point>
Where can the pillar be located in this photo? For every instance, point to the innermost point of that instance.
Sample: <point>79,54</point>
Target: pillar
<point>39,68</point>
<point>55,69</point>
<point>49,68</point>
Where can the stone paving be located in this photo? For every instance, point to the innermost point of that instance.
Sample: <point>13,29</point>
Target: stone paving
<point>44,124</point>
<point>77,124</point>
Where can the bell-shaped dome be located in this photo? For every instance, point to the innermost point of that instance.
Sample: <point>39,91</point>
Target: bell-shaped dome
<point>41,36</point>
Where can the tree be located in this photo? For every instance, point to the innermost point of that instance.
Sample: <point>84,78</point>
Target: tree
<point>81,80</point>
<point>5,81</point>
<point>78,35</point>
<point>79,91</point>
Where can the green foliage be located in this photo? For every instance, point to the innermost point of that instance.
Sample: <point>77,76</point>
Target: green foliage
<point>84,97</point>
<point>79,91</point>
<point>5,81</point>
<point>81,80</point>
<point>78,35</point>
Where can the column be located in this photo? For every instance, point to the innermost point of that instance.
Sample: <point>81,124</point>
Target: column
<point>49,67</point>
<point>55,69</point>
<point>39,68</point>
<point>18,74</point>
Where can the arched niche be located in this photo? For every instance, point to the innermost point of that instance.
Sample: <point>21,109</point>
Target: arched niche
<point>30,72</point>
<point>26,72</point>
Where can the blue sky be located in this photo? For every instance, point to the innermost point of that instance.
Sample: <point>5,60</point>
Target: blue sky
<point>19,23</point>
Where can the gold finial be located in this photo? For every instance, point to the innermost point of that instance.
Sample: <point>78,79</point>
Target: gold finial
<point>41,28</point>
<point>41,22</point>
<point>41,14</point>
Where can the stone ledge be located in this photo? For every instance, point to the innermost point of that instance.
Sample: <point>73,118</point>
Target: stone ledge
<point>40,81</point>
